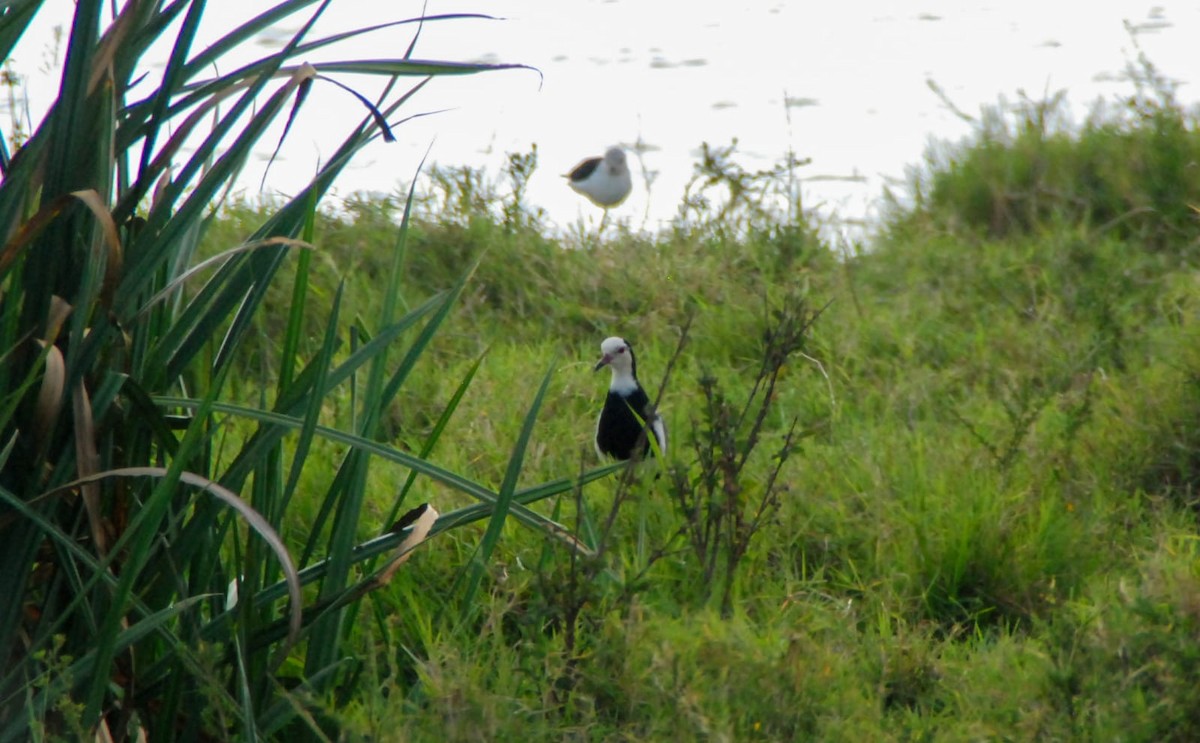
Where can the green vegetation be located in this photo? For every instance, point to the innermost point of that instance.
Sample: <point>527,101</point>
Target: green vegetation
<point>939,489</point>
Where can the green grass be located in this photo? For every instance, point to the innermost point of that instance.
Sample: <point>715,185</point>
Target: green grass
<point>988,529</point>
<point>990,532</point>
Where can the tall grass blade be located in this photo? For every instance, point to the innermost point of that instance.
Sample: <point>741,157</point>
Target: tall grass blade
<point>435,434</point>
<point>504,499</point>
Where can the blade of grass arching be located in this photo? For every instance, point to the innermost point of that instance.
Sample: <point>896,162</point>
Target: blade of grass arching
<point>447,521</point>
<point>199,96</point>
<point>99,571</point>
<point>297,397</point>
<point>195,322</point>
<point>236,297</point>
<point>204,121</point>
<point>375,448</point>
<point>478,511</point>
<point>355,141</point>
<point>173,289</point>
<point>415,67</point>
<point>286,219</point>
<point>193,94</point>
<point>253,519</point>
<point>208,94</point>
<point>139,544</point>
<point>252,28</point>
<point>214,177</point>
<point>245,33</point>
<point>508,488</point>
<point>240,293</point>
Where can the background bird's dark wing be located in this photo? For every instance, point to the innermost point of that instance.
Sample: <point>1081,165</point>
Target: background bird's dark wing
<point>584,169</point>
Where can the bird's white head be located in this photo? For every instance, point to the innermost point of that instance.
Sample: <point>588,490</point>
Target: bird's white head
<point>617,354</point>
<point>615,157</point>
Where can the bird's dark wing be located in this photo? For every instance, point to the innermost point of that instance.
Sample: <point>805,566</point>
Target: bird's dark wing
<point>640,402</point>
<point>584,169</point>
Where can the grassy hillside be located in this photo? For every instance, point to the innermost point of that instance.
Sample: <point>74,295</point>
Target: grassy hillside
<point>982,525</point>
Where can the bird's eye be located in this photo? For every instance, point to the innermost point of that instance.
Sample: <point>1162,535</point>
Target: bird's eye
<point>621,349</point>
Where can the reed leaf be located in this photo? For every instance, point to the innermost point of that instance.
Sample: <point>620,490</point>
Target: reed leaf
<point>118,345</point>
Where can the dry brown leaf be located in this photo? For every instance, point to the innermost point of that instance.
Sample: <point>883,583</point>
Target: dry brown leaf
<point>87,462</point>
<point>50,395</point>
<point>112,266</point>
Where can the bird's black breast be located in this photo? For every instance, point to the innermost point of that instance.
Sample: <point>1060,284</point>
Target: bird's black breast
<point>584,169</point>
<point>618,429</point>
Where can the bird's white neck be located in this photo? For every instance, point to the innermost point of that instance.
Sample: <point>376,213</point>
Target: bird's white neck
<point>623,382</point>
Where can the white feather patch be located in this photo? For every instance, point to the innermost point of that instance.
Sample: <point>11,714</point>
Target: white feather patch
<point>660,433</point>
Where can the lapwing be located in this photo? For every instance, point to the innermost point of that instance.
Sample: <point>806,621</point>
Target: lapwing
<point>604,180</point>
<point>627,418</point>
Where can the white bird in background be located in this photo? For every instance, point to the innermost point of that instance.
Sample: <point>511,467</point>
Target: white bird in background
<point>605,181</point>
<point>627,417</point>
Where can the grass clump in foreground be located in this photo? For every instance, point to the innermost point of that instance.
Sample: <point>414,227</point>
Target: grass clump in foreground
<point>156,583</point>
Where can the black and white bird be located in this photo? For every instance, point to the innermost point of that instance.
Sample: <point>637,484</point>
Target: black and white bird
<point>627,410</point>
<point>604,180</point>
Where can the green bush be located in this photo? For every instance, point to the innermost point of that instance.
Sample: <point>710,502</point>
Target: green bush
<point>1132,171</point>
